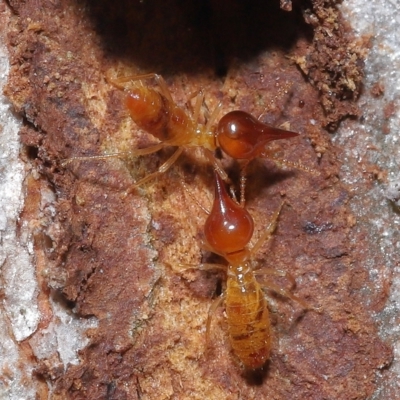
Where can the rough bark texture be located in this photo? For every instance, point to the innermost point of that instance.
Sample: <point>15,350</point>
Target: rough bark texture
<point>116,256</point>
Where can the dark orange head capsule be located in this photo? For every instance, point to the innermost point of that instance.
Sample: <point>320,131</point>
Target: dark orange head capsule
<point>242,136</point>
<point>229,227</point>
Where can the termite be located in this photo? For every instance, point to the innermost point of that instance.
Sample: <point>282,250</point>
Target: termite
<point>228,230</point>
<point>239,134</point>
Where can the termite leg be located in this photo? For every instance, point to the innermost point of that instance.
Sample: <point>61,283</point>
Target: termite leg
<point>278,273</point>
<point>211,157</point>
<point>267,284</point>
<point>211,311</point>
<point>206,247</point>
<point>217,302</point>
<point>122,81</point>
<point>283,292</point>
<point>163,168</point>
<point>213,117</point>
<point>202,267</point>
<point>217,165</point>
<point>266,236</point>
<point>197,106</point>
<point>183,183</point>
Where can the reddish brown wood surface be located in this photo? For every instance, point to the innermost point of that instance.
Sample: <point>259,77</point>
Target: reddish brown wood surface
<point>116,257</point>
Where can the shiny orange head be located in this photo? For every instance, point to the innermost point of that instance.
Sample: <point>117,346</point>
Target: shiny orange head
<point>229,227</point>
<point>242,136</point>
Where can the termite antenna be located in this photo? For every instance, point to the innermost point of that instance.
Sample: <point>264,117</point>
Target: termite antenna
<point>292,164</point>
<point>191,195</point>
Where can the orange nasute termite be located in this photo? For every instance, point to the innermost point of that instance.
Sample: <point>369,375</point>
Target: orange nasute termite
<point>239,134</point>
<point>228,230</point>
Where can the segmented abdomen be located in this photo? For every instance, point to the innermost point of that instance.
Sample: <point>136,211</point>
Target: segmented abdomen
<point>154,113</point>
<point>247,317</point>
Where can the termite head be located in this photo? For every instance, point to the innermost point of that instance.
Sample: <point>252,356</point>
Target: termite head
<point>242,136</point>
<point>229,227</point>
